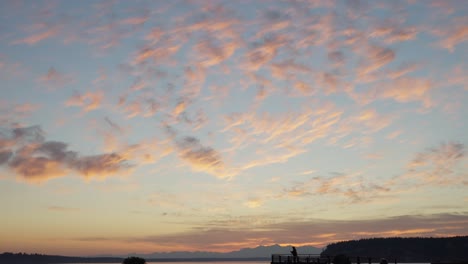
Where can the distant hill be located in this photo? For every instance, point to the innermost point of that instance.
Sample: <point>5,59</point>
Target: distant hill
<point>258,252</point>
<point>416,250</point>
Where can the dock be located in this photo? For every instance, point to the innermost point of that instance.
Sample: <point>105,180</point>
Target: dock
<point>319,259</point>
<point>301,258</point>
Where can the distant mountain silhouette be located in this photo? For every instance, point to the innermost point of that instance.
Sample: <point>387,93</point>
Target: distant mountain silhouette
<point>258,252</point>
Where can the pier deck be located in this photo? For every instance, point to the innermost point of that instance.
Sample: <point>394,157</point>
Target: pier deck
<point>319,259</point>
<point>301,258</point>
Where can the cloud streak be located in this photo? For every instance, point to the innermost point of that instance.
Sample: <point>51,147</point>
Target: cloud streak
<point>201,158</point>
<point>307,231</point>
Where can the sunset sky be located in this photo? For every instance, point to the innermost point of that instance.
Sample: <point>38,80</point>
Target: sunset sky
<point>145,126</point>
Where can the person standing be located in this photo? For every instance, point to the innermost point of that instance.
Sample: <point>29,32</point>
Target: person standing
<point>294,253</point>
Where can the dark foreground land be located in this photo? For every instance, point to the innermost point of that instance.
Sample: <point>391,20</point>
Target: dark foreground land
<point>21,258</point>
<point>411,250</point>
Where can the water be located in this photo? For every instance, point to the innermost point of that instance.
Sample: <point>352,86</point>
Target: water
<point>216,262</point>
<point>198,262</point>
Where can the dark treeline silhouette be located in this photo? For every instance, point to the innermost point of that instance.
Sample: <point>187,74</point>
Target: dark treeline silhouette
<point>134,260</point>
<point>22,258</point>
<point>414,249</point>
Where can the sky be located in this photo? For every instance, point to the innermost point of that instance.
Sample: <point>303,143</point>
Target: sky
<point>150,126</point>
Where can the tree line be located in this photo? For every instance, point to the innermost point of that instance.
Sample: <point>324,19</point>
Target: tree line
<point>400,249</point>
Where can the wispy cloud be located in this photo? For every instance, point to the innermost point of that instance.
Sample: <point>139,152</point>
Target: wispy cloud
<point>201,158</point>
<point>40,32</point>
<point>439,165</point>
<point>88,101</point>
<point>54,79</point>
<point>451,38</point>
<point>376,58</point>
<point>349,187</point>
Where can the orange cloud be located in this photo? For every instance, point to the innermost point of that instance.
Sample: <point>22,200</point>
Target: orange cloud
<point>158,50</point>
<point>402,90</point>
<point>372,120</point>
<point>201,158</point>
<point>144,107</point>
<point>37,169</point>
<point>33,159</point>
<point>254,202</point>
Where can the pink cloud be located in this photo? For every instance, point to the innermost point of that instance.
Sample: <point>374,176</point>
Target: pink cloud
<point>134,21</point>
<point>375,58</point>
<point>264,53</point>
<point>393,33</point>
<point>55,79</point>
<point>88,101</point>
<point>39,36</point>
<point>455,38</point>
<point>211,54</point>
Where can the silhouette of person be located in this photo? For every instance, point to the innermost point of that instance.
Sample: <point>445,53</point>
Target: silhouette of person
<point>294,253</point>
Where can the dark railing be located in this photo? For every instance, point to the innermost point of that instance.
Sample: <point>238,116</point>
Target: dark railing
<point>301,258</point>
<point>319,259</point>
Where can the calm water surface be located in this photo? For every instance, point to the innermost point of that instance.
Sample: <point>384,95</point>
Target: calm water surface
<point>220,262</point>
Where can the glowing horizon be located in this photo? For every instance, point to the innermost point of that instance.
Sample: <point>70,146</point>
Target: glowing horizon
<point>218,125</point>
